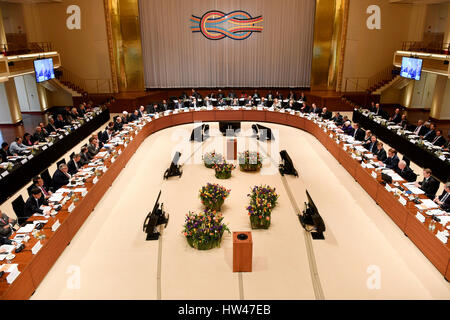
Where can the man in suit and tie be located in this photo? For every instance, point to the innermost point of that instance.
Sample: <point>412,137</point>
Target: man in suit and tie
<point>377,110</point>
<point>118,125</point>
<point>60,122</point>
<point>315,109</point>
<point>221,103</point>
<point>179,104</point>
<point>429,184</point>
<point>304,108</point>
<point>38,182</point>
<point>39,135</point>
<point>6,225</point>
<point>358,133</point>
<point>444,199</point>
<point>396,117</point>
<point>107,135</point>
<point>404,122</point>
<point>255,94</point>
<point>392,159</point>
<point>134,116</point>
<point>380,153</point>
<point>337,119</point>
<point>4,152</point>
<point>85,157</point>
<point>438,140</point>
<point>270,96</point>
<point>231,94</point>
<point>74,164</point>
<point>208,102</point>
<point>431,134</point>
<point>405,172</point>
<point>61,177</point>
<point>51,127</point>
<point>372,144</point>
<point>420,129</point>
<point>164,106</point>
<point>220,94</point>
<point>325,114</point>
<point>34,202</point>
<point>194,103</point>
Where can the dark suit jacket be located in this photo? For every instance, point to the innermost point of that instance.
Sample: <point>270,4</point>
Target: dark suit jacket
<point>407,174</point>
<point>4,221</point>
<point>446,205</point>
<point>39,136</point>
<point>84,159</point>
<point>118,126</point>
<point>392,163</point>
<point>430,135</point>
<point>423,130</point>
<point>397,118</point>
<point>359,134</point>
<point>32,206</point>
<point>381,154</point>
<point>59,179</point>
<point>372,147</point>
<point>3,155</point>
<point>92,151</point>
<point>326,116</point>
<point>104,137</point>
<point>60,124</point>
<point>430,187</point>
<point>72,168</point>
<point>51,128</point>
<point>439,142</point>
<point>133,117</point>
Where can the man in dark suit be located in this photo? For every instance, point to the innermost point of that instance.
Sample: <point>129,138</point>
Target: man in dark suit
<point>163,106</point>
<point>255,94</point>
<point>392,159</point>
<point>60,123</point>
<point>6,225</point>
<point>325,114</point>
<point>39,135</point>
<point>431,134</point>
<point>38,182</point>
<point>74,164</point>
<point>304,108</point>
<point>420,129</point>
<point>220,94</point>
<point>302,97</point>
<point>34,202</point>
<point>292,96</point>
<point>118,125</point>
<point>438,140</point>
<point>405,172</point>
<point>380,153</point>
<point>194,103</point>
<point>51,127</point>
<point>270,96</point>
<point>372,144</point>
<point>134,116</point>
<point>107,135</point>
<point>377,110</point>
<point>396,117</point>
<point>85,157</point>
<point>93,147</point>
<point>337,119</point>
<point>429,184</point>
<point>231,94</point>
<point>4,152</point>
<point>404,122</point>
<point>61,176</point>
<point>444,199</point>
<point>315,109</point>
<point>358,133</point>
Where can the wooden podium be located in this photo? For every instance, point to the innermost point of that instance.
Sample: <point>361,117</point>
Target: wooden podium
<point>242,251</point>
<point>231,149</point>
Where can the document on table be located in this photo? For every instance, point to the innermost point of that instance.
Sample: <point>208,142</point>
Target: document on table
<point>369,156</point>
<point>27,228</point>
<point>8,267</point>
<point>411,187</point>
<point>56,197</point>
<point>80,190</point>
<point>361,149</point>
<point>427,204</point>
<point>392,174</point>
<point>102,154</point>
<point>8,248</point>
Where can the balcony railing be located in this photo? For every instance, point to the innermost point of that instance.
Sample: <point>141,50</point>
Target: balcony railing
<point>81,85</point>
<point>21,48</point>
<point>428,47</point>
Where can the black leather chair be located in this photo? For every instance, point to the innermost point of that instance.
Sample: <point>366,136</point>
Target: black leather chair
<point>72,155</point>
<point>29,189</point>
<point>19,207</point>
<point>408,162</point>
<point>45,175</point>
<point>62,161</point>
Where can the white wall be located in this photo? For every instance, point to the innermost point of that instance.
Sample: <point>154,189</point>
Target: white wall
<point>445,111</point>
<point>5,114</point>
<point>422,95</point>
<point>22,94</point>
<point>436,20</point>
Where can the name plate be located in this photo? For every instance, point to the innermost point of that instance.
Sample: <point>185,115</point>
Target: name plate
<point>259,108</point>
<point>136,132</point>
<point>104,169</point>
<point>156,116</point>
<point>331,135</point>
<point>84,193</point>
<point>24,161</point>
<point>4,174</point>
<point>66,133</point>
<point>125,145</point>
<point>388,188</point>
<point>88,119</point>
<point>175,111</point>
<point>363,164</point>
<point>61,136</point>
<point>12,275</point>
<point>44,148</point>
<point>36,247</point>
<point>374,174</point>
<point>30,157</point>
<point>55,226</point>
<point>95,180</point>
<point>71,207</point>
<point>282,111</point>
<point>402,201</point>
<point>50,144</point>
<point>119,152</point>
<point>113,160</point>
<point>209,108</point>
<point>131,138</point>
<point>325,130</point>
<point>353,156</point>
<point>420,217</point>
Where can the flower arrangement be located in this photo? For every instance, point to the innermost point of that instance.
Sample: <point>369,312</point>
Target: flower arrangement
<point>213,196</point>
<point>263,200</point>
<point>250,161</point>
<point>223,170</point>
<point>204,231</point>
<point>211,158</point>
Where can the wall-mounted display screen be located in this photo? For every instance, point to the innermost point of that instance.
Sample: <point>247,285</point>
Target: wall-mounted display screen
<point>43,69</point>
<point>411,68</point>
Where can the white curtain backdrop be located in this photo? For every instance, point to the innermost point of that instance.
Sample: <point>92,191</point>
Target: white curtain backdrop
<point>279,56</point>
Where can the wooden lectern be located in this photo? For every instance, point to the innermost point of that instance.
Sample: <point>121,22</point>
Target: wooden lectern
<point>231,149</point>
<point>242,251</point>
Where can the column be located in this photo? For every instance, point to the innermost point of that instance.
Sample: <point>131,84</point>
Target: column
<point>9,104</point>
<point>439,96</point>
<point>42,94</point>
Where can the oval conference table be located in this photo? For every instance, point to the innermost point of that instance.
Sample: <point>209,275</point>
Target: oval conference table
<point>62,226</point>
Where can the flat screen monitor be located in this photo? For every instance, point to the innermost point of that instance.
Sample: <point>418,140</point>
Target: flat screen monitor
<point>43,69</point>
<point>411,68</point>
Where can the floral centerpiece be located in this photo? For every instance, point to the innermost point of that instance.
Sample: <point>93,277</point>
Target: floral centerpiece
<point>204,231</point>
<point>223,170</point>
<point>263,200</point>
<point>213,196</point>
<point>250,161</point>
<point>211,158</point>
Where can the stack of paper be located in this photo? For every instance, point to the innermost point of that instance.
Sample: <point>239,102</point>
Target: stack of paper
<point>411,187</point>
<point>26,229</point>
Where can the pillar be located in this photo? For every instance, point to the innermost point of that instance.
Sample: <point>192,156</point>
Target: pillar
<point>10,109</point>
<point>438,97</point>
